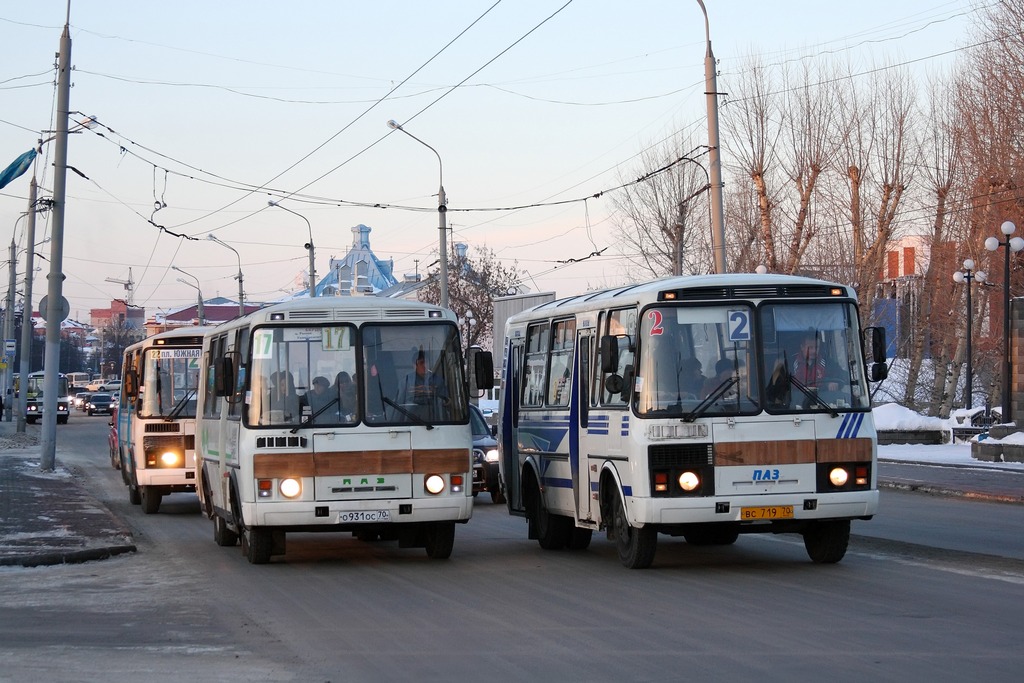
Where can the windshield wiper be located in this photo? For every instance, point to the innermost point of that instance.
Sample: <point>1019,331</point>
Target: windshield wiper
<point>813,396</point>
<point>309,418</point>
<point>179,406</point>
<point>703,406</point>
<point>412,416</point>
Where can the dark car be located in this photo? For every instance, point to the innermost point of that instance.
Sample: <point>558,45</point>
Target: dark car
<point>99,403</point>
<point>485,457</point>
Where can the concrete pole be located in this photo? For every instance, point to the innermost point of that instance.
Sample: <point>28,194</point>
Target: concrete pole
<point>55,280</point>
<point>714,155</point>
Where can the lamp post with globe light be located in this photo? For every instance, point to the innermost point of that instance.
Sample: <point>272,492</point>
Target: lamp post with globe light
<point>1013,244</point>
<point>969,275</point>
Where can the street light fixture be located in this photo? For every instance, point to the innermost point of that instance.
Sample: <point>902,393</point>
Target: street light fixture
<point>199,304</point>
<point>968,275</point>
<point>241,291</point>
<point>309,247</point>
<point>1014,244</point>
<point>442,209</point>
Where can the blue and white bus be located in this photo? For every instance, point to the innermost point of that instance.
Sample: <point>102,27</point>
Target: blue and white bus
<point>704,407</point>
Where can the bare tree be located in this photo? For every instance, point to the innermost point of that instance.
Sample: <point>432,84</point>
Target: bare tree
<point>473,285</point>
<point>663,224</point>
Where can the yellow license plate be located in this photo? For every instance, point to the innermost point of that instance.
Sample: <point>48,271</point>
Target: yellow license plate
<point>767,512</point>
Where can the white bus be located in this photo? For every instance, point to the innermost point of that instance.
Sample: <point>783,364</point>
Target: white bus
<point>34,402</point>
<point>78,381</point>
<point>702,407</point>
<point>156,416</point>
<point>314,419</point>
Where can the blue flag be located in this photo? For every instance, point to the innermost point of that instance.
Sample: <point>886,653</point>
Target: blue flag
<point>17,167</point>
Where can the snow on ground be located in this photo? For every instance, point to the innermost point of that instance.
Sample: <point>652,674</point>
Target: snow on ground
<point>891,416</point>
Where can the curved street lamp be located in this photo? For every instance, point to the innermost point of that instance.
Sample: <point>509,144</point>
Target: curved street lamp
<point>1014,244</point>
<point>241,291</point>
<point>968,275</point>
<point>199,302</point>
<point>442,209</point>
<point>309,247</point>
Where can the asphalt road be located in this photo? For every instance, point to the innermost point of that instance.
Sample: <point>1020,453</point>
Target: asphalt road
<point>930,590</point>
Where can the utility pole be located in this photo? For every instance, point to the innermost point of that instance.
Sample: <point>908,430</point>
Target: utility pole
<point>55,303</point>
<point>9,333</point>
<point>26,309</point>
<point>714,152</point>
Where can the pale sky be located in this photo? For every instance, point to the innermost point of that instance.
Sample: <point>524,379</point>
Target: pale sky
<point>212,108</point>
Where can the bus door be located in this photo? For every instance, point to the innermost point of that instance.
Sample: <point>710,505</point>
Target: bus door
<point>509,418</point>
<point>582,442</point>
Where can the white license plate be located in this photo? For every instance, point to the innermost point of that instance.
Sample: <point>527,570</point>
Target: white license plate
<point>365,516</point>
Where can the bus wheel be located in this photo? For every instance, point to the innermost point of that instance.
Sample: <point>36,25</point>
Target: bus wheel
<point>134,496</point>
<point>222,535</point>
<point>497,497</point>
<point>579,538</point>
<point>440,539</point>
<point>826,542</point>
<point>636,547</point>
<point>257,544</point>
<point>150,499</point>
<point>551,531</point>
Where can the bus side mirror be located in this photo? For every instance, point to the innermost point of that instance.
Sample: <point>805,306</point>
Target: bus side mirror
<point>481,370</point>
<point>609,354</point>
<point>131,384</point>
<point>879,367</point>
<point>224,377</point>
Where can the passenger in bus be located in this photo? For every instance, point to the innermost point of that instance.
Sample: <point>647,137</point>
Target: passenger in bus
<point>691,378</point>
<point>322,402</point>
<point>345,389</point>
<point>284,399</point>
<point>723,373</point>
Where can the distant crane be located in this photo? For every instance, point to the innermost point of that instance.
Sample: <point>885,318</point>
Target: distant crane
<point>127,285</point>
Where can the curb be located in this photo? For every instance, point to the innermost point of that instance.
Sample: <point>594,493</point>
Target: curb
<point>950,493</point>
<point>69,557</point>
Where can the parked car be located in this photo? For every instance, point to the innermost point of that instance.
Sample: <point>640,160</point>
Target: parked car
<point>485,457</point>
<point>99,402</point>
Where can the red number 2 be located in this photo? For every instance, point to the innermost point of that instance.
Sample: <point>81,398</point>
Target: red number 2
<point>656,320</point>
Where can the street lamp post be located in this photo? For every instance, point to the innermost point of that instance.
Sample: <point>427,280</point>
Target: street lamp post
<point>309,247</point>
<point>241,291</point>
<point>442,210</point>
<point>1014,244</point>
<point>968,275</point>
<point>714,151</point>
<point>199,303</point>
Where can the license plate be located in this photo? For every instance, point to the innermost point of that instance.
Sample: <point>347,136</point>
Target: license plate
<point>767,512</point>
<point>365,516</point>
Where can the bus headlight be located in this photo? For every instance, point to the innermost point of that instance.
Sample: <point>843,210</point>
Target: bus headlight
<point>434,483</point>
<point>838,476</point>
<point>689,481</point>
<point>170,459</point>
<point>290,488</point>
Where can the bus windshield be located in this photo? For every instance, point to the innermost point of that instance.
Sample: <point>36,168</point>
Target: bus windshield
<point>170,378</point>
<point>729,360</point>
<point>35,386</point>
<point>694,359</point>
<point>338,375</point>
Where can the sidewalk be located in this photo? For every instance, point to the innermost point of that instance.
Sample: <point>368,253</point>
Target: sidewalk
<point>49,517</point>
